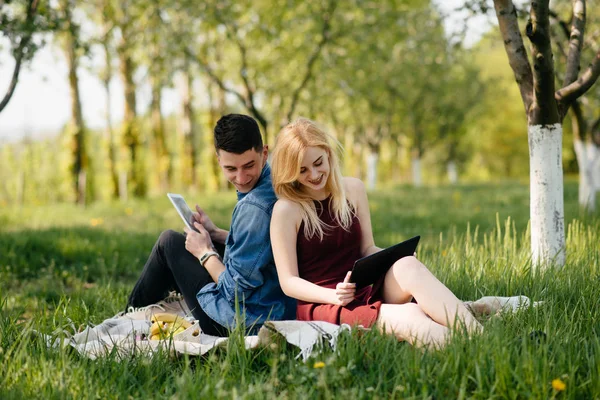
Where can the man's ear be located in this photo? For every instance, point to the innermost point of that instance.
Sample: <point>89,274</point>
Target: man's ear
<point>265,153</point>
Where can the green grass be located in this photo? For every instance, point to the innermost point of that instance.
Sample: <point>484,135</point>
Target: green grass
<point>62,267</point>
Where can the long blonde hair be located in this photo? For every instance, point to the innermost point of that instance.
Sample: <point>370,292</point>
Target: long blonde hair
<point>291,144</point>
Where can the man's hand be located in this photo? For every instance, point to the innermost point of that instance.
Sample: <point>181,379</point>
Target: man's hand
<point>202,218</point>
<point>198,243</point>
<point>345,291</point>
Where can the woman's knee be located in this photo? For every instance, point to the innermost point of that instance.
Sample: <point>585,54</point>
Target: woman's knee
<point>408,269</point>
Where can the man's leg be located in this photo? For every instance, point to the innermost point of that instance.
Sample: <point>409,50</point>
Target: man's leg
<point>169,267</point>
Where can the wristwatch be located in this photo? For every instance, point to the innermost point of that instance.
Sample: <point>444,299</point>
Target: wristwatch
<point>208,255</point>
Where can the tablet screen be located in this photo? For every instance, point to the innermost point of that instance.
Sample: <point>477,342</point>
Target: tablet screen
<point>182,209</point>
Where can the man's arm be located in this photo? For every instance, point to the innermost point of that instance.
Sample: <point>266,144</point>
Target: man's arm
<point>199,243</point>
<point>249,249</point>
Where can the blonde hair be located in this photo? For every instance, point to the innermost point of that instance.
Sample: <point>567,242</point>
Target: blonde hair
<point>291,144</point>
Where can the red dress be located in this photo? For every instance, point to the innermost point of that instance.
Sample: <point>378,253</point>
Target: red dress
<point>325,263</point>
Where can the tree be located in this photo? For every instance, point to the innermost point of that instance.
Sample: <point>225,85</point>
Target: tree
<point>585,123</point>
<point>386,66</point>
<point>131,131</point>
<point>261,42</point>
<point>545,108</point>
<point>19,22</point>
<point>77,131</point>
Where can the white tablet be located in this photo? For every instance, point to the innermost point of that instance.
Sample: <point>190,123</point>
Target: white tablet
<point>182,209</point>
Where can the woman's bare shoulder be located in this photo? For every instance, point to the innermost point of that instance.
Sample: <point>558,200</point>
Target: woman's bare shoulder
<point>353,183</point>
<point>286,207</point>
<point>354,187</point>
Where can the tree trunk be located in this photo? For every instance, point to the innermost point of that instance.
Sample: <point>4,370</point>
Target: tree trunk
<point>372,160</point>
<point>131,130</point>
<point>546,191</point>
<point>415,162</point>
<point>190,129</point>
<point>221,110</point>
<point>79,155</point>
<point>588,155</point>
<point>110,135</point>
<point>452,172</point>
<point>163,161</point>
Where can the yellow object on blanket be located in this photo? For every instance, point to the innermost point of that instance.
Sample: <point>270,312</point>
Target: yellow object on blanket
<point>167,325</point>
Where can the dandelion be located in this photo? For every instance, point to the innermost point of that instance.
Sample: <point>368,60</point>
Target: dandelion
<point>319,364</point>
<point>558,385</point>
<point>128,211</point>
<point>96,221</point>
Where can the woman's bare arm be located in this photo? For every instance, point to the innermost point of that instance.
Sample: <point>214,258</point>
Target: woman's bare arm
<point>357,194</point>
<point>285,223</point>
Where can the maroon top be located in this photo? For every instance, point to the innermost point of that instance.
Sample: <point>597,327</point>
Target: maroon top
<point>326,262</point>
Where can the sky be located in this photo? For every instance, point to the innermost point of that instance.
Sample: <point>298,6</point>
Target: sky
<point>40,106</point>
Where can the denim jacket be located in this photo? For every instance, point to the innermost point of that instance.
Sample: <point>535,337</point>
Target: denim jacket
<point>249,282</point>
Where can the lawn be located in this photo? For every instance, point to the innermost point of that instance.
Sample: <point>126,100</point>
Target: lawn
<point>62,267</point>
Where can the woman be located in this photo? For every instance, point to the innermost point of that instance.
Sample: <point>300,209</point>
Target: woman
<point>321,224</point>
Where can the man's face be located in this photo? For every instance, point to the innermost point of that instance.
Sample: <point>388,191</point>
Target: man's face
<point>243,170</point>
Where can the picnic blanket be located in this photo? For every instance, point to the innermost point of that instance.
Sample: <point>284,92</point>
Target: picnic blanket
<point>128,333</point>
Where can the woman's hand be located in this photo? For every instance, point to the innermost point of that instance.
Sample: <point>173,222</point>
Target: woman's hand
<point>344,291</point>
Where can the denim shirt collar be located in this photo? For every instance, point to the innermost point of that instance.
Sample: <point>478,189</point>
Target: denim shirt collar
<point>263,180</point>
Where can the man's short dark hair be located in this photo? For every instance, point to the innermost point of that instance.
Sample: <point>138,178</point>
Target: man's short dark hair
<point>237,133</point>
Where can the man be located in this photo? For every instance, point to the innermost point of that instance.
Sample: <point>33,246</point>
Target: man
<point>245,280</point>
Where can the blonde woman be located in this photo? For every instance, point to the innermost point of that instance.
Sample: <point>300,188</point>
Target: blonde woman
<point>321,224</point>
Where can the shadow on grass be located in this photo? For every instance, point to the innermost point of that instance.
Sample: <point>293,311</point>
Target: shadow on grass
<point>86,252</point>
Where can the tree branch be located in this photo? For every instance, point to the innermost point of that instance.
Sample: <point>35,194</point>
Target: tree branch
<point>580,86</point>
<point>248,100</point>
<point>213,77</point>
<point>325,36</point>
<point>563,25</point>
<point>515,49</point>
<point>575,45</point>
<point>20,52</point>
<point>579,123</point>
<point>595,132</point>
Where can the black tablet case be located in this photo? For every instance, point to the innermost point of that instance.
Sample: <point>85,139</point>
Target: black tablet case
<point>368,270</point>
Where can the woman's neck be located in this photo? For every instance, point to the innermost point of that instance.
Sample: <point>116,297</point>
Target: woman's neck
<point>318,195</point>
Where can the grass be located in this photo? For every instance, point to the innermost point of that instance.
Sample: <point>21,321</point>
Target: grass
<point>62,267</point>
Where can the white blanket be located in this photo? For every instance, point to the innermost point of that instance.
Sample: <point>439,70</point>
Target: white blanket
<point>127,333</point>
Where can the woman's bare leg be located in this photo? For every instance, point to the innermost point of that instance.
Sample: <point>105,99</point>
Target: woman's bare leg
<point>409,277</point>
<point>409,322</point>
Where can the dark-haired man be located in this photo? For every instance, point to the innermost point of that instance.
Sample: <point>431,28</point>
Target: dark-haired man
<point>245,280</point>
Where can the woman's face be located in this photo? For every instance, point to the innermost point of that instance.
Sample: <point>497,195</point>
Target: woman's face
<point>314,169</point>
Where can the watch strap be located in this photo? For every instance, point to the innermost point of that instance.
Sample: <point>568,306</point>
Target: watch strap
<point>208,255</point>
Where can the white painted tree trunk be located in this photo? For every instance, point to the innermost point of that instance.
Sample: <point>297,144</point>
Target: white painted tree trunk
<point>596,171</point>
<point>452,172</point>
<point>416,171</point>
<point>546,191</point>
<point>372,159</point>
<point>595,167</point>
<point>588,155</point>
